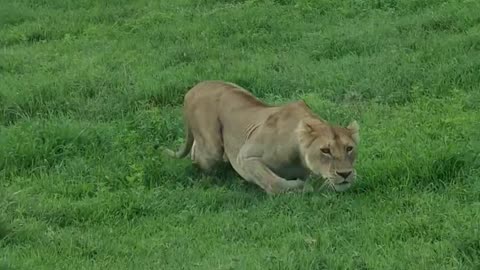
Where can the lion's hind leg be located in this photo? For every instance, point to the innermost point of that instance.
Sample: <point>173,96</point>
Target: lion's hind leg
<point>206,157</point>
<point>207,149</point>
<point>192,152</point>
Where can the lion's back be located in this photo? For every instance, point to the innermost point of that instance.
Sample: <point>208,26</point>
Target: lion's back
<point>212,94</point>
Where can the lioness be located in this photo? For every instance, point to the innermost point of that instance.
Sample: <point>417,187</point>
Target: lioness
<point>275,147</point>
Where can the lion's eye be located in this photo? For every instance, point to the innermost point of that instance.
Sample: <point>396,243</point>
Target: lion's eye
<point>325,150</point>
<point>349,148</point>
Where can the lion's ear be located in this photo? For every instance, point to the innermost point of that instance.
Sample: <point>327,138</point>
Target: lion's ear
<point>355,128</point>
<point>306,127</point>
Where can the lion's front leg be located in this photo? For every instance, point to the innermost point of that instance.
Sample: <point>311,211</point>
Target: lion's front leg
<point>252,169</point>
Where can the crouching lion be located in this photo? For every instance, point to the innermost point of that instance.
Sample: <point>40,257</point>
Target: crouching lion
<point>275,147</point>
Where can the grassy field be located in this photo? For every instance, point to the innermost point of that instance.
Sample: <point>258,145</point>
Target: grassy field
<point>90,90</point>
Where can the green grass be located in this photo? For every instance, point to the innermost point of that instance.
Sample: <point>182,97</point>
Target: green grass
<point>90,90</point>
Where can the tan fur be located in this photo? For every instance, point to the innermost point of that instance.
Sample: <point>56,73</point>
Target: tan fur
<point>275,147</point>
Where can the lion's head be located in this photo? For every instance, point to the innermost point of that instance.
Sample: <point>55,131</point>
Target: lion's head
<point>330,151</point>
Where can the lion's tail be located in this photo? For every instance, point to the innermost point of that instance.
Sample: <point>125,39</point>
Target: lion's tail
<point>186,147</point>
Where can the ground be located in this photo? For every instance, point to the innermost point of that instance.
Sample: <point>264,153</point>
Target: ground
<point>91,90</point>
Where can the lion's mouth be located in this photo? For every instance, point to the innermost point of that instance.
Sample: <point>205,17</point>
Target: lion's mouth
<point>343,183</point>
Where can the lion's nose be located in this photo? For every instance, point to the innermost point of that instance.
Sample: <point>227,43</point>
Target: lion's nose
<point>344,174</point>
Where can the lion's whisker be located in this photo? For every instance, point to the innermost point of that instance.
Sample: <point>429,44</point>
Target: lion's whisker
<point>326,182</point>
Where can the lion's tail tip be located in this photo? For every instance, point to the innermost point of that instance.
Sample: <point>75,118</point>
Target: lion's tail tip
<point>169,152</point>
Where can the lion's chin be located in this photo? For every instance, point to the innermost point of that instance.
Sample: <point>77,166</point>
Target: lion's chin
<point>342,187</point>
